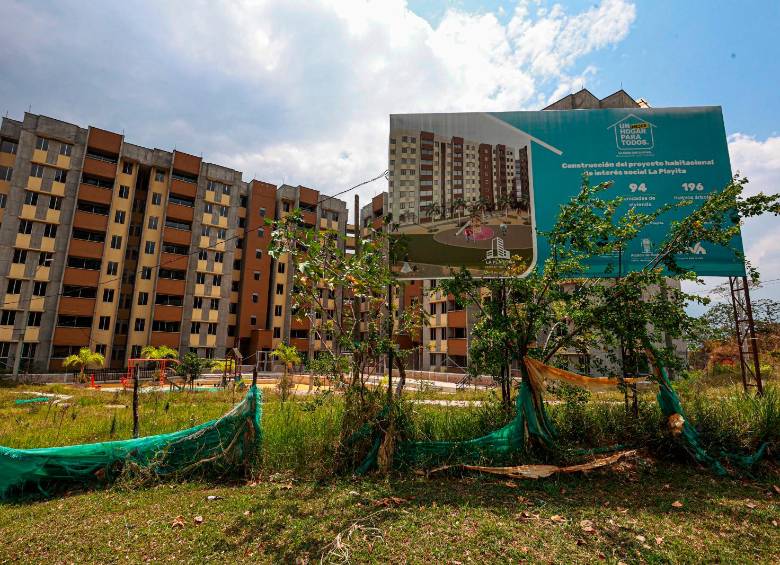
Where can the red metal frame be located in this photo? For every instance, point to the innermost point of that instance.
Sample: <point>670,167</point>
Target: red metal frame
<point>133,361</point>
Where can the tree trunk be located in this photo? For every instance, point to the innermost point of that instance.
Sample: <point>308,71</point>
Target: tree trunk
<point>401,377</point>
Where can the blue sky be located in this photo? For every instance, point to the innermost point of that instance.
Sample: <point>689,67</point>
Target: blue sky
<point>299,91</point>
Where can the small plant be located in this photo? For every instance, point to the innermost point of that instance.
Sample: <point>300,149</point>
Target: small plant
<point>289,357</point>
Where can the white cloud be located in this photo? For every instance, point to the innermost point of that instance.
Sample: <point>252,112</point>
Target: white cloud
<point>758,161</point>
<point>335,70</point>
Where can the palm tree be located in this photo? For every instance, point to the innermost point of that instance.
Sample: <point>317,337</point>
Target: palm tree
<point>459,205</point>
<point>505,202</point>
<point>84,359</point>
<point>289,357</point>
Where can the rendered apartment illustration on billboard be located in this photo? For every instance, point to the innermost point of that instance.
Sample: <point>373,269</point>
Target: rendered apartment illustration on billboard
<point>461,193</point>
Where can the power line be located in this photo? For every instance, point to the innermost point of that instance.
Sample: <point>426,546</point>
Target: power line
<point>196,251</point>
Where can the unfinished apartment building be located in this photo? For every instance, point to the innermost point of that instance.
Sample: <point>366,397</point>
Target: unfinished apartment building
<point>114,246</point>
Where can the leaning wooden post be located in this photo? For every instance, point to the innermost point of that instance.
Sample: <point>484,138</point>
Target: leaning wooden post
<point>135,401</point>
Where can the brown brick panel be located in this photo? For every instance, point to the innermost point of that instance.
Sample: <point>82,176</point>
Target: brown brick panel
<point>426,135</point>
<point>77,306</point>
<point>95,194</point>
<point>71,336</point>
<point>170,286</point>
<point>168,313</point>
<point>261,195</point>
<point>99,168</point>
<point>80,277</point>
<point>309,195</point>
<point>179,212</point>
<point>180,237</point>
<point>377,202</point>
<point>82,248</point>
<point>90,221</point>
<point>104,140</point>
<point>186,163</point>
<point>174,261</point>
<point>188,189</point>
<point>426,167</point>
<point>300,324</point>
<point>457,346</point>
<point>456,319</point>
<point>171,339</point>
<point>309,218</point>
<point>300,344</point>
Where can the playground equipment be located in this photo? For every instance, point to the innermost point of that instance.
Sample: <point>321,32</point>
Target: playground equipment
<point>164,365</point>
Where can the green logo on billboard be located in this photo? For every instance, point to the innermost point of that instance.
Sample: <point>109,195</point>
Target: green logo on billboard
<point>633,134</point>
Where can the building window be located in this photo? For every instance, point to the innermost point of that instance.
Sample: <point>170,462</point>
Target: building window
<point>219,257</point>
<point>255,297</point>
<point>34,319</point>
<point>208,208</point>
<point>42,143</point>
<point>277,333</point>
<point>149,247</point>
<point>60,175</point>
<point>55,203</point>
<point>262,212</point>
<point>214,304</point>
<point>140,323</point>
<point>104,323</point>
<point>153,222</point>
<point>221,233</point>
<point>203,255</point>
<point>25,227</point>
<point>143,298</point>
<point>233,308</point>
<point>36,170</point>
<point>146,273</point>
<point>278,310</point>
<point>217,280</point>
<point>257,275</point>
<point>197,302</point>
<point>30,198</point>
<point>108,295</point>
<point>14,286</point>
<point>8,146</point>
<point>45,259</point>
<point>20,256</point>
<point>112,268</point>
<point>124,191</point>
<point>205,231</point>
<point>116,242</point>
<point>279,289</point>
<point>7,317</point>
<point>100,348</point>
<point>156,198</point>
<point>159,175</point>
<point>195,328</point>
<point>258,253</point>
<point>200,278</point>
<point>212,329</point>
<point>50,230</point>
<point>119,217</point>
<point>39,288</point>
<point>280,268</point>
<point>127,168</point>
<point>66,149</point>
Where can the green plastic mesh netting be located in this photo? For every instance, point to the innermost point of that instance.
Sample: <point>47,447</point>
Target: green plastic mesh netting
<point>531,418</point>
<point>222,444</point>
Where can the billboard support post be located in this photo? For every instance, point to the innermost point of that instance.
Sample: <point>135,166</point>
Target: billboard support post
<point>745,332</point>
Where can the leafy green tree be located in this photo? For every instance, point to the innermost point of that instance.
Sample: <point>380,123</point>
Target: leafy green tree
<point>159,352</point>
<point>628,311</point>
<point>84,359</point>
<point>192,367</point>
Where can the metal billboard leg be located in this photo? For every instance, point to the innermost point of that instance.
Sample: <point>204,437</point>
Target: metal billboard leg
<point>745,332</point>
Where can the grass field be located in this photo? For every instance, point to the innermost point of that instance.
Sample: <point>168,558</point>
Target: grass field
<point>629,516</point>
<point>294,509</point>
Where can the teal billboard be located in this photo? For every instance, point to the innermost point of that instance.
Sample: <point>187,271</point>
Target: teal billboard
<point>472,189</point>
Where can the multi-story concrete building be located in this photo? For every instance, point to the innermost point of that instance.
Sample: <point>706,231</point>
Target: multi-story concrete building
<point>114,246</point>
